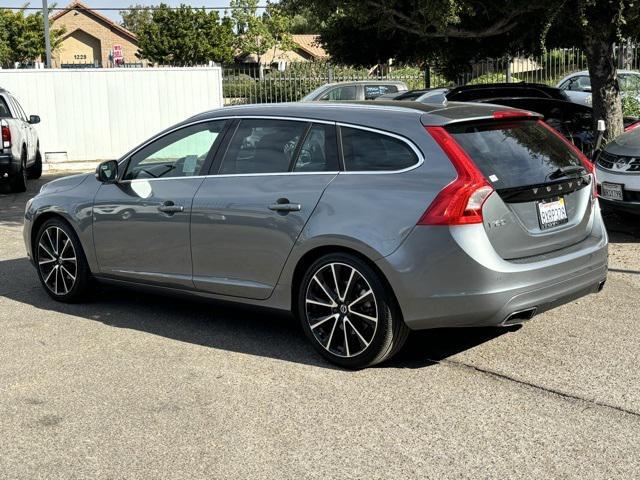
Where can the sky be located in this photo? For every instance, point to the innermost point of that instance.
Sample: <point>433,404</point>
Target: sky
<point>118,4</point>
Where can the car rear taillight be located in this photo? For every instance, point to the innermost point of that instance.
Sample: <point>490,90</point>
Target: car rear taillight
<point>460,202</point>
<point>632,126</point>
<point>588,164</point>
<point>6,136</point>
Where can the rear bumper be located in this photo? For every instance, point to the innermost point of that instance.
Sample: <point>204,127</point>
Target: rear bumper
<point>631,190</point>
<point>631,207</point>
<point>7,165</point>
<point>452,277</point>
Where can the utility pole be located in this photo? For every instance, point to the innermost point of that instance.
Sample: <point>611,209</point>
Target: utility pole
<point>47,38</point>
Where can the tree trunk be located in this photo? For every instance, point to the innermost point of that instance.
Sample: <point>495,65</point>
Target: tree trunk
<point>605,90</point>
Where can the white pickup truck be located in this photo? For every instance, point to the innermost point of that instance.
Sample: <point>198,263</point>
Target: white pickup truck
<point>20,148</point>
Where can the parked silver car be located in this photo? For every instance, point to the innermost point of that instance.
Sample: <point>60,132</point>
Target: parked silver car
<point>577,85</point>
<point>618,173</point>
<point>359,90</point>
<point>366,220</point>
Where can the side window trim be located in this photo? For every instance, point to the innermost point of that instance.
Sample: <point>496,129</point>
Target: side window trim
<point>296,151</point>
<point>408,142</point>
<point>124,164</point>
<point>214,168</point>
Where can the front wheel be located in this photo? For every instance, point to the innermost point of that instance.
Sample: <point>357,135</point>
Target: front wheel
<point>62,266</point>
<point>348,313</point>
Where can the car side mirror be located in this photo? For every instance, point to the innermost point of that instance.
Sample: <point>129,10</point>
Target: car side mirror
<point>107,172</point>
<point>33,119</point>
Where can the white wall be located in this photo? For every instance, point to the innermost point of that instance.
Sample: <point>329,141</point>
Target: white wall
<point>98,114</point>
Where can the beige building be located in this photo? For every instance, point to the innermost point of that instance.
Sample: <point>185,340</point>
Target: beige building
<point>90,38</point>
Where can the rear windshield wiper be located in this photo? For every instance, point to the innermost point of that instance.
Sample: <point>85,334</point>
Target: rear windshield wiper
<point>566,171</point>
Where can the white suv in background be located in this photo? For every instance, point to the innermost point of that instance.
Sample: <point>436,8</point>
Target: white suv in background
<point>20,148</point>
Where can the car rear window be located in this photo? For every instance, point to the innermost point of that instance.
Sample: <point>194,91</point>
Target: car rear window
<point>516,154</point>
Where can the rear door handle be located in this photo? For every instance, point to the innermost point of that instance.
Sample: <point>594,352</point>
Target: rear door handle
<point>170,207</point>
<point>283,205</point>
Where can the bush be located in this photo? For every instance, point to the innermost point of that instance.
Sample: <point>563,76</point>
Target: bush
<point>630,106</point>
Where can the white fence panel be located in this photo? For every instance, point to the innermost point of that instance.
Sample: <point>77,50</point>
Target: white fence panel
<point>98,114</point>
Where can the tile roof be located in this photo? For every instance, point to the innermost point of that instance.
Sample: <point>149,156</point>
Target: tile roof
<point>311,45</point>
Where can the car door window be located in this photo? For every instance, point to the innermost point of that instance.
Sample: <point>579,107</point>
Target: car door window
<point>347,92</point>
<point>4,109</point>
<point>364,150</point>
<point>319,152</point>
<point>179,154</point>
<point>262,146</point>
<point>579,83</point>
<point>372,92</point>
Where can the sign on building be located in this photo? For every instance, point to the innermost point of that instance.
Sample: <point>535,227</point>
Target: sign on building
<point>118,54</point>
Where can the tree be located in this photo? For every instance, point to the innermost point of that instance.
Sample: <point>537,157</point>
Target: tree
<point>259,33</point>
<point>253,33</point>
<point>185,36</point>
<point>134,18</point>
<point>457,31</point>
<point>22,37</point>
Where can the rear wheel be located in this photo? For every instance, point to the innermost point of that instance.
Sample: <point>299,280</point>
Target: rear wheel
<point>62,266</point>
<point>18,182</point>
<point>35,170</point>
<point>348,314</point>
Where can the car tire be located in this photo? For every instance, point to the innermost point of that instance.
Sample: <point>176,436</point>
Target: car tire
<point>59,258</point>
<point>18,182</point>
<point>35,170</point>
<point>348,312</point>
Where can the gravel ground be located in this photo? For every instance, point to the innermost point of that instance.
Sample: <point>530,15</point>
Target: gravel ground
<point>142,386</point>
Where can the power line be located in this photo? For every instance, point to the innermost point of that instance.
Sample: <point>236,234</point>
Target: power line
<point>118,9</point>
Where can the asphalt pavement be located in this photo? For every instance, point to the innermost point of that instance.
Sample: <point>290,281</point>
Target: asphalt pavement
<point>132,385</point>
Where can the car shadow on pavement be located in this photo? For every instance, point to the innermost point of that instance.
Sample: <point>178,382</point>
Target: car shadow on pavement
<point>220,325</point>
<point>622,227</point>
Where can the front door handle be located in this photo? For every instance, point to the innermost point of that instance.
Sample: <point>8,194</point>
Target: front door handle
<point>170,208</point>
<point>283,205</point>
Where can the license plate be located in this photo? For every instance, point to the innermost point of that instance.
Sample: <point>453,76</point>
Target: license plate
<point>612,191</point>
<point>552,213</point>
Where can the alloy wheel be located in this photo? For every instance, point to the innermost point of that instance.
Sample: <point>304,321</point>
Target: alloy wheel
<point>341,309</point>
<point>57,260</point>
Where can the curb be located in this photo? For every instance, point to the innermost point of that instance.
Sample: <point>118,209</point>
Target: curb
<point>70,166</point>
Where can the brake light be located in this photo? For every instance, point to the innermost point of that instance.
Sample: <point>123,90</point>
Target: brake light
<point>6,136</point>
<point>460,202</point>
<point>588,164</point>
<point>506,114</point>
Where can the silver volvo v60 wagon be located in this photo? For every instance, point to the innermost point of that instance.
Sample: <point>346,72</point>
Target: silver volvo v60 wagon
<point>365,220</point>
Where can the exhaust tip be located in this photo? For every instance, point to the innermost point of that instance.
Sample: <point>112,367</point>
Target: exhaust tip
<point>520,316</point>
